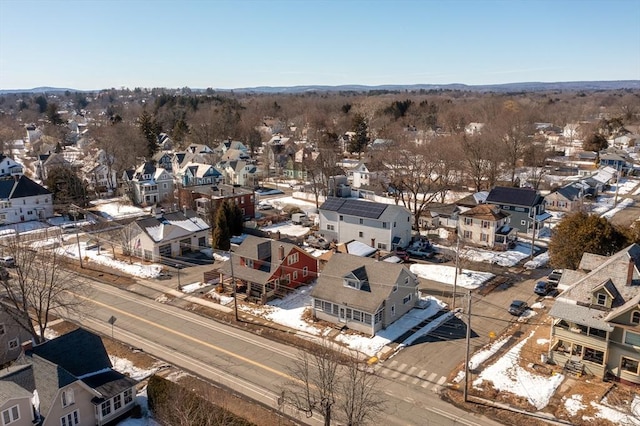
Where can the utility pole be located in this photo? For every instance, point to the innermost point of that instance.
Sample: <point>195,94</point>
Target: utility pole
<point>455,277</point>
<point>233,279</point>
<point>468,343</point>
<point>533,239</point>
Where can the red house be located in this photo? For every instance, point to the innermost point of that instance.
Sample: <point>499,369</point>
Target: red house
<point>265,269</point>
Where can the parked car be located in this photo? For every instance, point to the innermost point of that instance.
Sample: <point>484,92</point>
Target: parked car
<point>554,276</point>
<point>7,261</point>
<point>543,288</point>
<point>317,242</point>
<point>263,205</point>
<point>518,307</point>
<point>401,253</point>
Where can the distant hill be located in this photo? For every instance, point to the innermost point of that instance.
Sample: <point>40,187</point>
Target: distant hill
<point>500,88</point>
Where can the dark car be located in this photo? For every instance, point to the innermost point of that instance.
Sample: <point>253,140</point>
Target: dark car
<point>518,307</point>
<point>542,288</point>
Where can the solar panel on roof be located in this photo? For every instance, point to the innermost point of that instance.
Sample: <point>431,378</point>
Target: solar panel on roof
<point>362,209</point>
<point>332,204</point>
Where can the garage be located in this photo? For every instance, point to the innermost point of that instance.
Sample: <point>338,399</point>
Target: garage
<point>165,250</point>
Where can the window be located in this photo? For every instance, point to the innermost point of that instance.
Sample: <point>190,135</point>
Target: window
<point>13,344</point>
<point>70,419</point>
<point>293,258</point>
<point>485,223</point>
<point>467,234</point>
<point>10,415</point>
<point>382,246</point>
<point>341,218</point>
<point>384,225</point>
<point>105,407</point>
<point>352,283</point>
<point>67,397</point>
<point>393,310</point>
<point>361,234</point>
<point>378,316</point>
<point>632,339</point>
<point>406,299</point>
<point>484,237</point>
<point>248,263</point>
<point>629,365</point>
<point>468,221</point>
<point>330,227</point>
<point>117,402</point>
<point>601,299</point>
<point>305,271</point>
<point>361,221</point>
<point>593,355</point>
<point>357,316</point>
<point>295,275</point>
<point>597,332</point>
<point>635,318</point>
<point>367,319</point>
<point>395,287</point>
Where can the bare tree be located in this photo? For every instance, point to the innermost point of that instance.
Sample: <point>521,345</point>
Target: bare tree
<point>41,287</point>
<point>325,379</point>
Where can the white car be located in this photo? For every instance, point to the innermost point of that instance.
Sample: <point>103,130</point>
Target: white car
<point>7,261</point>
<point>263,205</point>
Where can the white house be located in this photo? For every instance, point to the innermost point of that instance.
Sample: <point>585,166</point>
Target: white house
<point>239,173</point>
<point>23,200</point>
<point>148,184</point>
<point>365,174</point>
<point>166,235</point>
<point>8,167</point>
<point>382,226</point>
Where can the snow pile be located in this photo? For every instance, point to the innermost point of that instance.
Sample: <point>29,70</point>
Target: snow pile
<point>126,367</point>
<point>507,375</point>
<point>482,355</point>
<point>539,261</point>
<point>117,209</point>
<point>501,258</point>
<point>193,287</point>
<point>613,415</point>
<point>446,274</point>
<point>105,258</point>
<point>573,404</point>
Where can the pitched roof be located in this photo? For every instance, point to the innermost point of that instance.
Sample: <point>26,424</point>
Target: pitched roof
<point>257,248</point>
<point>619,275</point>
<point>80,352</point>
<point>485,212</point>
<point>171,225</point>
<point>23,187</point>
<point>353,207</point>
<point>514,196</point>
<point>380,278</point>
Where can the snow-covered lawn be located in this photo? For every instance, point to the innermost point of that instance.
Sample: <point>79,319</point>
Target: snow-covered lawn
<point>105,258</point>
<point>574,404</point>
<point>446,274</point>
<point>287,228</point>
<point>118,208</point>
<point>506,258</point>
<point>507,375</point>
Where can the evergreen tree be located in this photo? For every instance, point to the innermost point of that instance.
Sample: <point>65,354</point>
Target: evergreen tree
<point>361,138</point>
<point>235,218</point>
<point>150,129</point>
<point>582,233</point>
<point>221,238</point>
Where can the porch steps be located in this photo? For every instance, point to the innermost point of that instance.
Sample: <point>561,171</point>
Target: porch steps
<point>574,367</point>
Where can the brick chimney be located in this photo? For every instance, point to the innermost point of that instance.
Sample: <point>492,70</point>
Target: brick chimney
<point>281,253</point>
<point>630,270</point>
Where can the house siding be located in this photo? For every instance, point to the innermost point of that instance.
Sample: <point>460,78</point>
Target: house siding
<point>82,403</point>
<point>24,410</point>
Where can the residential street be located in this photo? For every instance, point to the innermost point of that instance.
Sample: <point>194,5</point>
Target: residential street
<point>249,364</point>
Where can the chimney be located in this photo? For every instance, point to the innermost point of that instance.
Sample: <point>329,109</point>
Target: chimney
<point>373,242</point>
<point>281,253</point>
<point>278,235</point>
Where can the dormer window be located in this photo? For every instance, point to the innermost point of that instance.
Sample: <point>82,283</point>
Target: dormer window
<point>635,317</point>
<point>352,283</point>
<point>601,299</point>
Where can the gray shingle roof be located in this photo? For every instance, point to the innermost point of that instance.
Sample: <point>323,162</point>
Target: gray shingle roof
<point>23,187</point>
<point>380,276</point>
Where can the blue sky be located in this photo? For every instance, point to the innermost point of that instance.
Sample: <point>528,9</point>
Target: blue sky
<point>95,44</point>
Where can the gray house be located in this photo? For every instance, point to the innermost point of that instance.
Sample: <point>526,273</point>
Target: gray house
<point>382,226</point>
<point>525,205</point>
<point>363,293</point>
<point>71,382</point>
<point>596,320</point>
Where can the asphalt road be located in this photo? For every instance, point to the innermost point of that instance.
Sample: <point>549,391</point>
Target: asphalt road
<point>252,365</point>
